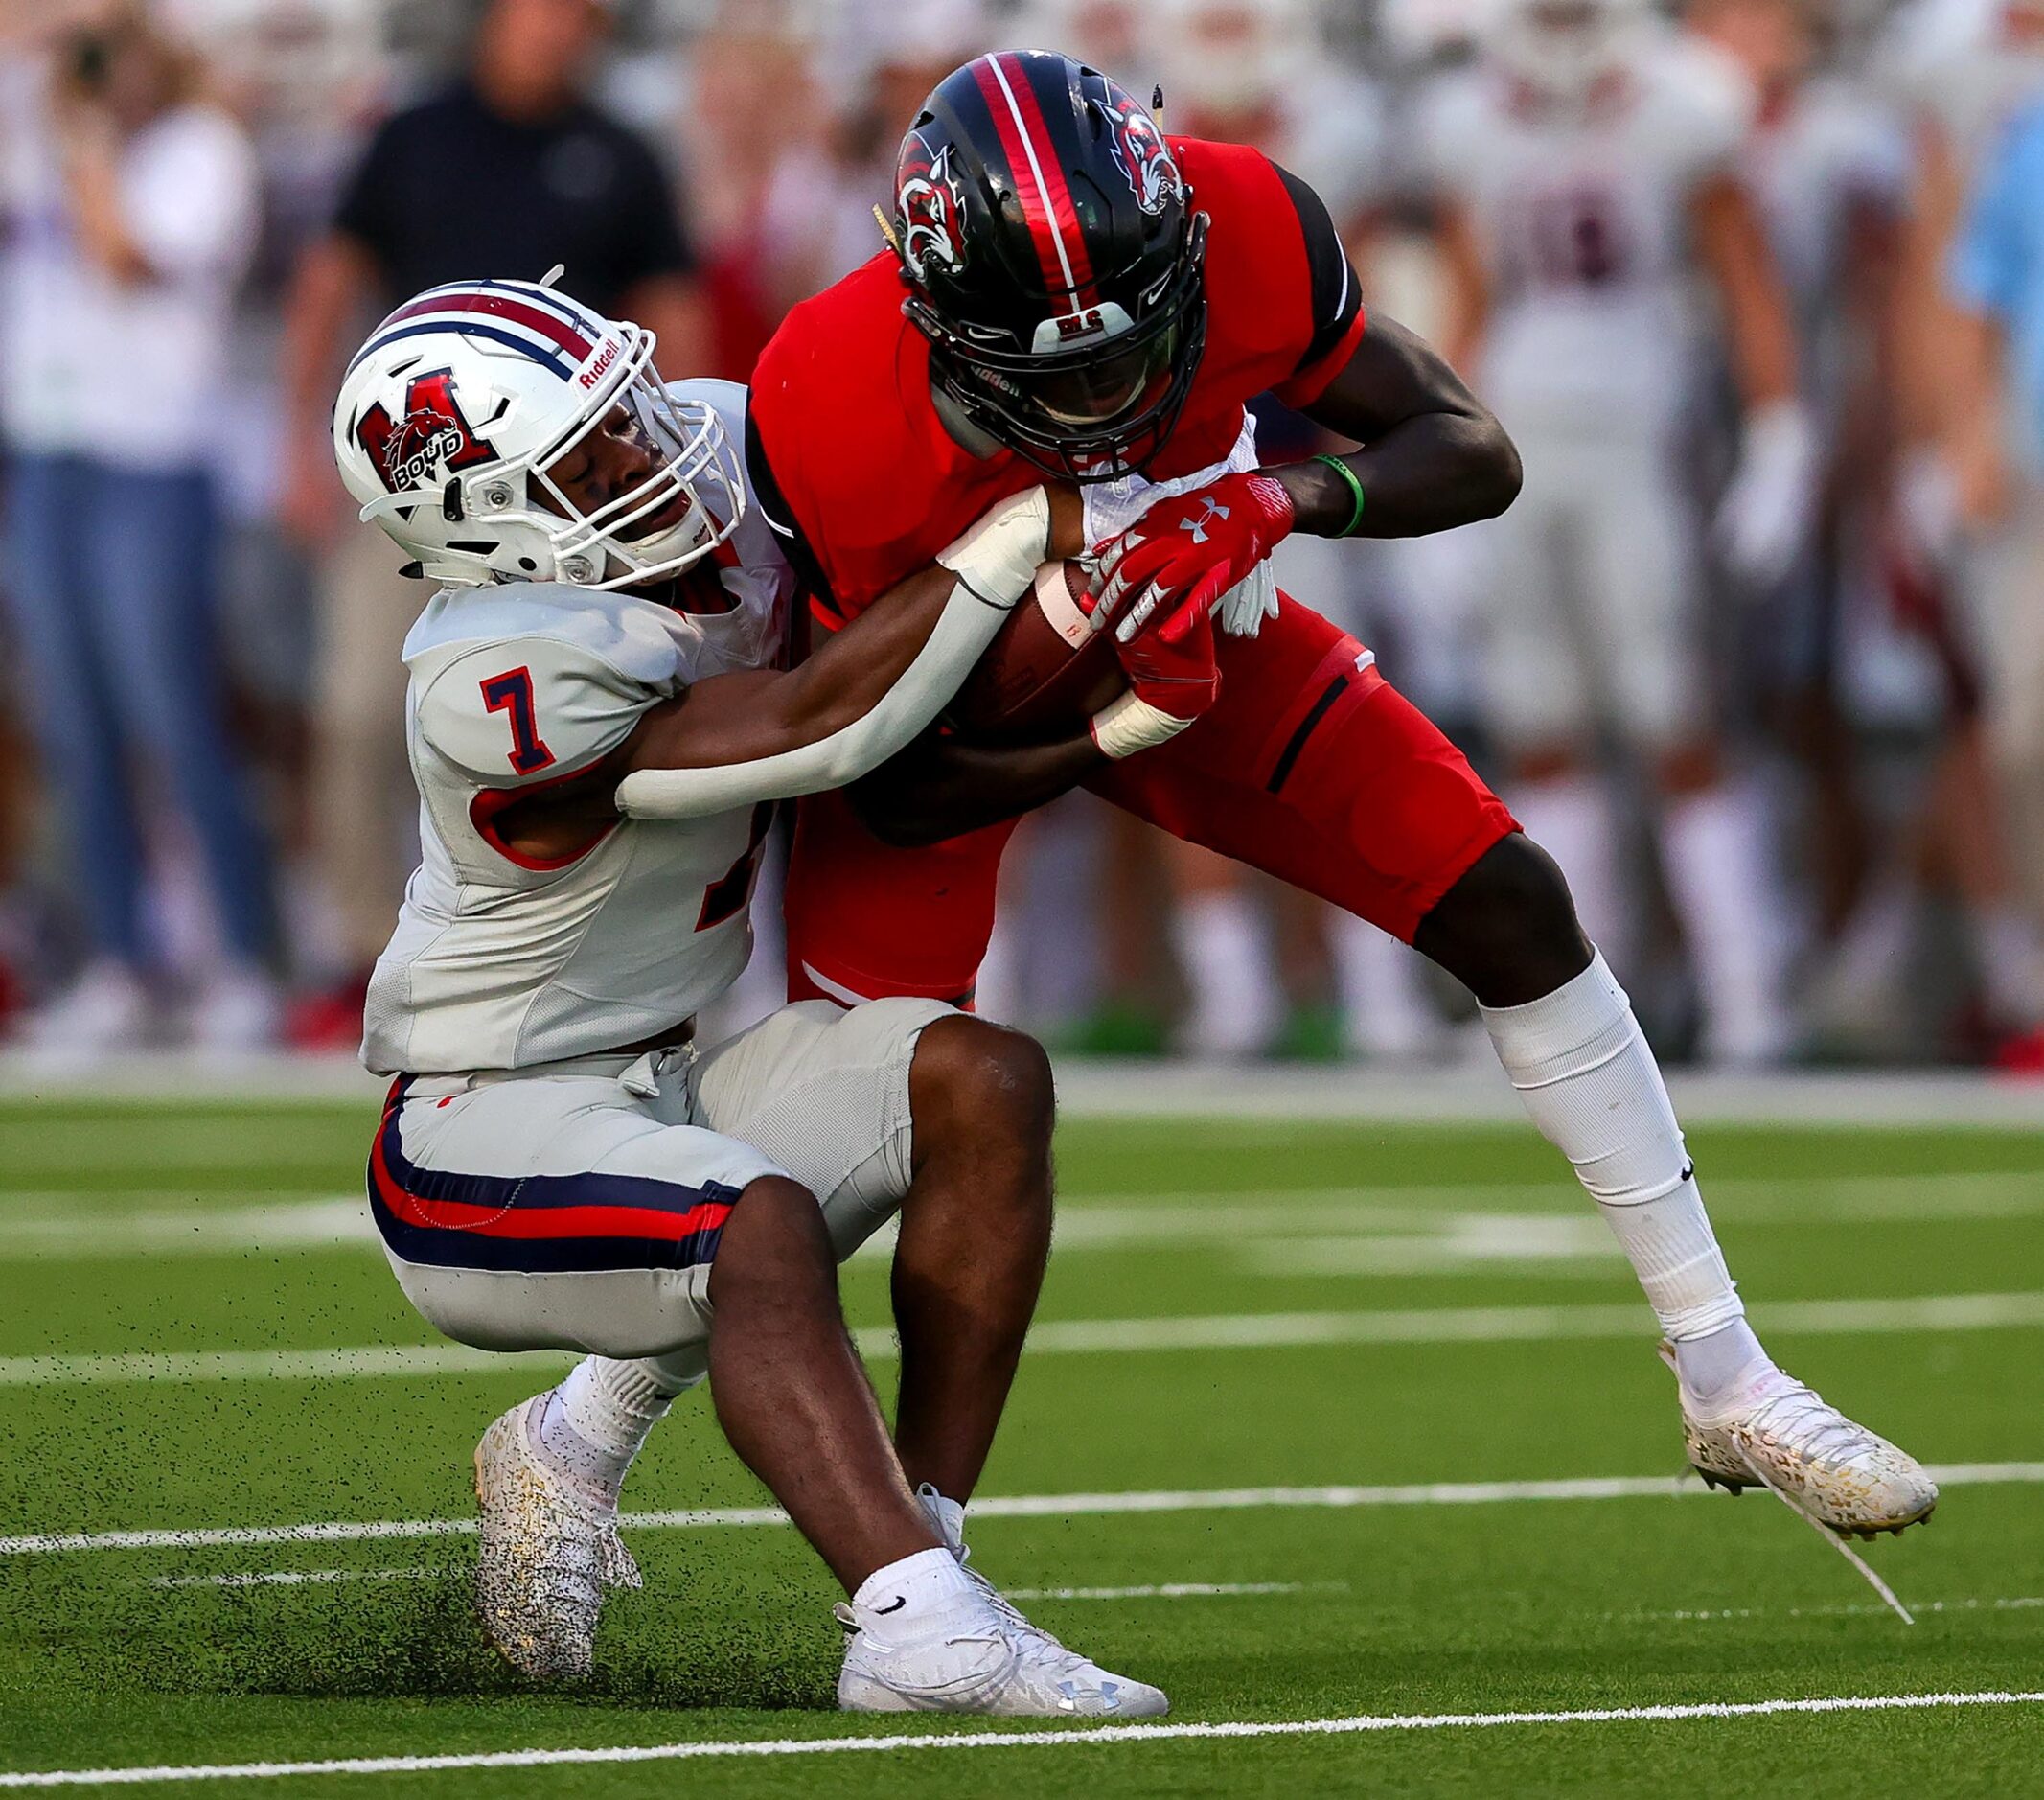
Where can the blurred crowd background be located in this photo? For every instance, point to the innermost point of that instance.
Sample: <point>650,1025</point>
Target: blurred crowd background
<point>1758,286</point>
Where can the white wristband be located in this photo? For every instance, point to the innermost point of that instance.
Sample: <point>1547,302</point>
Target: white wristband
<point>1130,724</point>
<point>998,557</point>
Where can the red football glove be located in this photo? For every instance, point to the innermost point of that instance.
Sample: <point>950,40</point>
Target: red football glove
<point>1170,686</point>
<point>1175,562</point>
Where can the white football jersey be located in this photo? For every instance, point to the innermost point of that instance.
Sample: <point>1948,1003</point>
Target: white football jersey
<point>500,961</point>
<point>1583,227</point>
<point>1831,152</point>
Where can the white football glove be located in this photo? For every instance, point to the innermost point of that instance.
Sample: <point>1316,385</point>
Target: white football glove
<point>1764,517</point>
<point>1112,507</point>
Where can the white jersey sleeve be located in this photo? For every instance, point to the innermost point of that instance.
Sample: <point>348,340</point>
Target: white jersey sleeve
<point>532,699</point>
<point>510,714</point>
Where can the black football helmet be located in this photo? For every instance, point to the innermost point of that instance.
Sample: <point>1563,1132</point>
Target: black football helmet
<point>1054,262</point>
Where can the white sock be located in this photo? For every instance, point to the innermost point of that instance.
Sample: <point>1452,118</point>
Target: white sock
<point>594,1421</point>
<point>2012,964</point>
<point>912,1585</point>
<point>1227,966</point>
<point>1722,880</point>
<point>1875,940</point>
<point>947,1516</point>
<point>1573,820</point>
<point>1588,1079</point>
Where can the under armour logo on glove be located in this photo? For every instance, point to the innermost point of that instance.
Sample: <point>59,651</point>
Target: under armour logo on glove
<point>1161,580</point>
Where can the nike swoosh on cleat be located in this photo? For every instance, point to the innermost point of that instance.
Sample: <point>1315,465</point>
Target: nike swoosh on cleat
<point>900,1601</point>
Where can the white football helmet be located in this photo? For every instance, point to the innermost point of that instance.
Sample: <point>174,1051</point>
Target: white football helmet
<point>453,412</point>
<point>1562,49</point>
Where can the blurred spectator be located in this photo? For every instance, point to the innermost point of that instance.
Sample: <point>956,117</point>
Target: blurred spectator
<point>1581,168</point>
<point>752,64</point>
<point>1997,274</point>
<point>1828,166</point>
<point>507,172</point>
<point>135,216</point>
<point>877,69</point>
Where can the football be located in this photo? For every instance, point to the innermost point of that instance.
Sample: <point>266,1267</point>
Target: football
<point>1045,673</point>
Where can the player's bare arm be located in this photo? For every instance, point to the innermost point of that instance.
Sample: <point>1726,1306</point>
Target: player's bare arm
<point>1731,245</point>
<point>1434,457</point>
<point>752,717</point>
<point>943,785</point>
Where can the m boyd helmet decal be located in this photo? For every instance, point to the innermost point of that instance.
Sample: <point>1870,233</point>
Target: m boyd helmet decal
<point>433,433</point>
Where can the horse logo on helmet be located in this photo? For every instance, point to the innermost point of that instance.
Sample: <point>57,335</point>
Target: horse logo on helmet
<point>932,208</point>
<point>1145,158</point>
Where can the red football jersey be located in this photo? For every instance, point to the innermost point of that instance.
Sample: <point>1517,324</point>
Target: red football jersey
<point>852,461</point>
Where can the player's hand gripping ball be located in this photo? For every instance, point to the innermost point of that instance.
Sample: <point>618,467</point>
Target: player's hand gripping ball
<point>1171,567</point>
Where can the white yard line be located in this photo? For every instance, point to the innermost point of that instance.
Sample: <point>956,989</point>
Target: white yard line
<point>1173,1091</point>
<point>1178,1590</point>
<point>299,1578</point>
<point>1154,1590</point>
<point>1094,1737</point>
<point>112,1234</point>
<point>2021,1602</point>
<point>371,1361</point>
<point>994,1507</point>
<point>1449,1224</point>
<point>1299,1225</point>
<point>1248,1330</point>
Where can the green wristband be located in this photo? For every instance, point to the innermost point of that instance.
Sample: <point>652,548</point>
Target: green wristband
<point>1355,487</point>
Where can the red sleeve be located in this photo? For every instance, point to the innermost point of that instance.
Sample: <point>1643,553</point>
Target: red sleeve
<point>1284,303</point>
<point>849,461</point>
<point>1334,299</point>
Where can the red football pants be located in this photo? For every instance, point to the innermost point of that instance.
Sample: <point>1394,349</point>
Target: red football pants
<point>1310,766</point>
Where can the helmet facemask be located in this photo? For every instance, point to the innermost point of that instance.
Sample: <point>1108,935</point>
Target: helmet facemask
<point>621,544</point>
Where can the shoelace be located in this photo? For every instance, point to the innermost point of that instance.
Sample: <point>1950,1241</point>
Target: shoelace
<point>1800,1419</point>
<point>1009,1614</point>
<point>1822,1428</point>
<point>1836,1542</point>
<point>616,1564</point>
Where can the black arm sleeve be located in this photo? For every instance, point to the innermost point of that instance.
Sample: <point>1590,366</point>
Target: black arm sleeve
<point>1337,295</point>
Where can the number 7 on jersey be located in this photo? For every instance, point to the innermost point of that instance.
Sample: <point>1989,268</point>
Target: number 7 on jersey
<point>512,692</point>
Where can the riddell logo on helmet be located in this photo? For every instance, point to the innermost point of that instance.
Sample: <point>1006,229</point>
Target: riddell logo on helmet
<point>433,434</point>
<point>1145,159</point>
<point>605,357</point>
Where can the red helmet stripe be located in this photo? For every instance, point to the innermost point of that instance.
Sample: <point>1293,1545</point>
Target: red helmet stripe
<point>500,306</point>
<point>1046,199</point>
<point>1050,173</point>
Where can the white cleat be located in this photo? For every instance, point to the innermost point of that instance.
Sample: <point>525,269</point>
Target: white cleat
<point>1775,1433</point>
<point>970,1655</point>
<point>548,1552</point>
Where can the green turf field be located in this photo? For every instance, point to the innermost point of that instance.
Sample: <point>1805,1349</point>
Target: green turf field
<point>1321,1423</point>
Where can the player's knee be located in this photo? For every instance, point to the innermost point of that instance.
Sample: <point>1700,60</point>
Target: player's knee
<point>1507,930</point>
<point>774,1246</point>
<point>971,1078</point>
